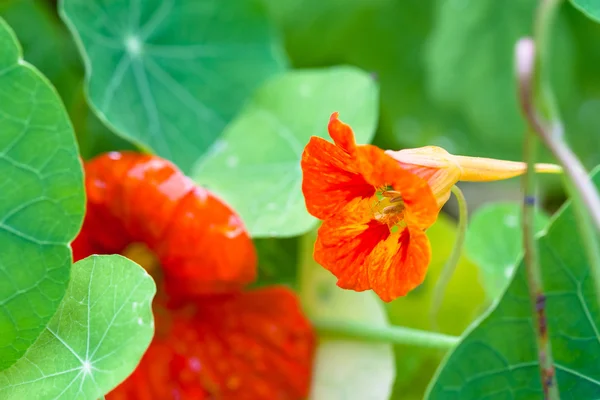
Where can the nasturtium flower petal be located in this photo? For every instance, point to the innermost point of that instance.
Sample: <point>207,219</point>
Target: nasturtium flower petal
<point>201,243</point>
<point>374,213</point>
<point>365,254</point>
<point>246,345</point>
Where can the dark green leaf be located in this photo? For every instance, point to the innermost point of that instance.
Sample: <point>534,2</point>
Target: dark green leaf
<point>169,75</point>
<point>277,261</point>
<point>93,136</point>
<point>46,43</point>
<point>255,167</point>
<point>41,200</point>
<point>494,243</point>
<point>96,339</point>
<point>497,359</point>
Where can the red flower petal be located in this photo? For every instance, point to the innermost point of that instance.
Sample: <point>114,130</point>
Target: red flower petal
<point>201,243</point>
<point>252,345</point>
<point>331,178</point>
<point>333,175</point>
<point>366,254</point>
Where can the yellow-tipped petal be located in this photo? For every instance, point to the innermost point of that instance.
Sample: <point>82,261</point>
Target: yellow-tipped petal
<point>442,170</point>
<point>477,169</point>
<point>433,164</point>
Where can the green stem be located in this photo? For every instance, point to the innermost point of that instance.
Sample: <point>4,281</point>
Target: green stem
<point>391,334</point>
<point>452,263</point>
<point>533,91</point>
<point>584,196</point>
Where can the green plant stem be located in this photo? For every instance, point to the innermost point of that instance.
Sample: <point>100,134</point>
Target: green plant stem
<point>452,263</point>
<point>529,64</point>
<point>549,127</point>
<point>390,334</point>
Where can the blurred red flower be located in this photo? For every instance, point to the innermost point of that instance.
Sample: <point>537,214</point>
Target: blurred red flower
<point>213,338</point>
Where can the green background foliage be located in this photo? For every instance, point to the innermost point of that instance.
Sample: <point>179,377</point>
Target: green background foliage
<point>231,91</point>
<point>495,243</point>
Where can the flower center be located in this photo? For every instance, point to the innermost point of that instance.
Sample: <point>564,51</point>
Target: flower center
<point>141,254</point>
<point>389,208</point>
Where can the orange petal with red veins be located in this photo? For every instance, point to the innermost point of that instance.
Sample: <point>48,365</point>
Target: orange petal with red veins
<point>330,178</point>
<point>200,241</point>
<point>365,254</point>
<point>244,346</point>
<point>381,170</point>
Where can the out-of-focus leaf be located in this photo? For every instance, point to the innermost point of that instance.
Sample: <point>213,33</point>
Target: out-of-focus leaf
<point>96,338</point>
<point>582,114</point>
<point>470,66</point>
<point>344,369</point>
<point>41,200</point>
<point>384,37</point>
<point>255,166</point>
<point>277,261</point>
<point>591,8</point>
<point>464,299</point>
<point>169,75</point>
<point>498,357</point>
<point>494,243</point>
<point>46,43</point>
<point>93,136</point>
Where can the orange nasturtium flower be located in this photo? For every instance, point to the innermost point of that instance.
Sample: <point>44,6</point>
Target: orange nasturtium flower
<point>213,340</point>
<point>376,205</point>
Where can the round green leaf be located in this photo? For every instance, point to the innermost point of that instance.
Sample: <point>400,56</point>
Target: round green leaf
<point>591,8</point>
<point>41,200</point>
<point>255,166</point>
<point>96,338</point>
<point>497,359</point>
<point>169,75</point>
<point>344,369</point>
<point>494,243</point>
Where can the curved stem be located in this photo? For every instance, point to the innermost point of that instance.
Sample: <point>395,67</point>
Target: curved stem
<point>390,334</point>
<point>452,263</point>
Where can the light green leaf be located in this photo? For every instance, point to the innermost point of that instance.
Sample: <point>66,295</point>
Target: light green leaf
<point>591,8</point>
<point>344,369</point>
<point>497,359</point>
<point>494,243</point>
<point>470,61</point>
<point>96,338</point>
<point>255,166</point>
<point>41,200</point>
<point>169,75</point>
